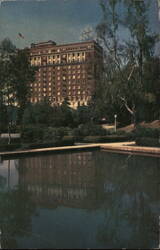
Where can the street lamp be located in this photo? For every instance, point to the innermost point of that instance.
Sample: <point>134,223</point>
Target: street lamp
<point>115,122</point>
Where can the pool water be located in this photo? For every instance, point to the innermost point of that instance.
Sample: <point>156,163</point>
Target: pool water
<point>91,199</point>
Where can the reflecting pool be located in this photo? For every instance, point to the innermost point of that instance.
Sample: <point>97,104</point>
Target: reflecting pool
<point>90,199</point>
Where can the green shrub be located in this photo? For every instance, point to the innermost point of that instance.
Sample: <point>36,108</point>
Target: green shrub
<point>37,145</point>
<point>9,147</point>
<point>4,141</point>
<point>146,132</point>
<point>148,141</point>
<point>54,134</point>
<point>65,141</point>
<point>109,138</point>
<point>32,133</point>
<point>40,134</point>
<point>119,132</point>
<point>68,140</point>
<point>89,129</point>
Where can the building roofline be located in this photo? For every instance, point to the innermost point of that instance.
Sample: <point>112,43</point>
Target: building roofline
<point>52,43</point>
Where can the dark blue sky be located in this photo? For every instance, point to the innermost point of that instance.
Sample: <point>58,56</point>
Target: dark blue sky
<point>58,20</point>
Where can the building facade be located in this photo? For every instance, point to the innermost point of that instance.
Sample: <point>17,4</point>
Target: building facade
<point>65,71</point>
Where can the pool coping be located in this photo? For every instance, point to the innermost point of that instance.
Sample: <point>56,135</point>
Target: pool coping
<point>117,147</point>
<point>130,147</point>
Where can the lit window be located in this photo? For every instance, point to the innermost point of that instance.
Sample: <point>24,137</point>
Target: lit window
<point>74,77</point>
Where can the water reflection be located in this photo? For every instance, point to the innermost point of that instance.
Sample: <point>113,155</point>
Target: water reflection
<point>81,200</point>
<point>16,208</point>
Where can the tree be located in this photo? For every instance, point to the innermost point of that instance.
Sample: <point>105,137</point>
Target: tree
<point>23,74</point>
<point>81,115</point>
<point>7,49</point>
<point>38,114</point>
<point>63,115</point>
<point>124,61</point>
<point>152,87</point>
<point>15,74</point>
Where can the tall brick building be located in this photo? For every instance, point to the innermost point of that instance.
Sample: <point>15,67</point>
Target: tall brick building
<point>69,70</point>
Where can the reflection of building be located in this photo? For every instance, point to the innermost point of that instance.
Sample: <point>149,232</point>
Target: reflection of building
<point>69,70</point>
<point>68,179</point>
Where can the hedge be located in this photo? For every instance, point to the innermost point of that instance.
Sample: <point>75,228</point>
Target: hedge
<point>148,141</point>
<point>9,147</point>
<point>65,141</point>
<point>4,141</point>
<point>109,138</point>
<point>146,132</point>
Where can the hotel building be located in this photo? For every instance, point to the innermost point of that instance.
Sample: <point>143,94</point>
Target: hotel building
<point>65,71</point>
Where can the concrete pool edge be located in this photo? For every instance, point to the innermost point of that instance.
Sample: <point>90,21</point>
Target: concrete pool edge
<point>128,147</point>
<point>47,150</point>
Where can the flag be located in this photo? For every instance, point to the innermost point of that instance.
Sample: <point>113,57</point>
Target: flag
<point>20,35</point>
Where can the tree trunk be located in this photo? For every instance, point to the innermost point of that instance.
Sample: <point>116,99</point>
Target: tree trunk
<point>134,119</point>
<point>9,134</point>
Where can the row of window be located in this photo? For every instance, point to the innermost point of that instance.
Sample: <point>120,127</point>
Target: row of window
<point>53,73</point>
<point>52,57</point>
<point>45,63</point>
<point>61,49</point>
<point>59,99</point>
<point>72,67</point>
<point>59,83</point>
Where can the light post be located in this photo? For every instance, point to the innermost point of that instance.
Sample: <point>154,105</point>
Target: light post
<point>115,122</point>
